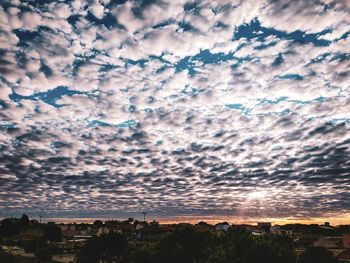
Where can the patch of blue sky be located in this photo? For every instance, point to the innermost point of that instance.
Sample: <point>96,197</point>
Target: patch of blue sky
<point>3,105</point>
<point>240,61</point>
<point>164,23</point>
<point>107,67</point>
<point>248,110</point>
<point>73,19</point>
<point>186,27</point>
<point>279,113</point>
<point>132,108</point>
<point>239,107</point>
<point>125,124</point>
<point>141,62</point>
<point>50,97</point>
<point>26,36</point>
<point>191,91</point>
<point>128,124</point>
<point>98,123</point>
<point>319,59</point>
<point>286,99</point>
<point>340,121</point>
<point>254,30</point>
<point>278,61</point>
<point>8,127</point>
<point>344,36</point>
<point>275,101</point>
<point>179,151</point>
<point>190,6</point>
<point>341,57</point>
<point>45,69</point>
<point>291,76</point>
<point>204,56</point>
<point>263,46</point>
<point>109,20</point>
<point>58,145</point>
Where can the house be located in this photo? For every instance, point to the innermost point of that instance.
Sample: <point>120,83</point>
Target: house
<point>265,226</point>
<point>346,241</point>
<point>257,233</point>
<point>34,233</point>
<point>125,229</point>
<point>67,227</point>
<point>152,233</point>
<point>222,227</point>
<point>277,230</point>
<point>102,231</point>
<point>68,233</point>
<point>326,226</point>
<point>344,256</point>
<point>139,226</point>
<point>329,242</point>
<point>305,241</point>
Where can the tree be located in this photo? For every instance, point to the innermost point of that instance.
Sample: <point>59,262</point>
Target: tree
<point>4,257</point>
<point>106,248</point>
<point>44,254</point>
<point>114,246</point>
<point>9,227</point>
<point>271,250</point>
<point>91,252</point>
<point>98,223</point>
<point>316,255</point>
<point>52,233</point>
<point>24,221</point>
<point>184,245</point>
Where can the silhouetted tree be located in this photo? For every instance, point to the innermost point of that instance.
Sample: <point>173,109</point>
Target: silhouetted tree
<point>24,221</point>
<point>316,255</point>
<point>106,248</point>
<point>9,227</point>
<point>4,257</point>
<point>52,233</point>
<point>142,253</point>
<point>91,252</point>
<point>184,245</point>
<point>98,223</point>
<point>44,254</point>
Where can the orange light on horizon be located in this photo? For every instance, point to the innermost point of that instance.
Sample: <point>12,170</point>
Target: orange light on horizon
<point>342,219</point>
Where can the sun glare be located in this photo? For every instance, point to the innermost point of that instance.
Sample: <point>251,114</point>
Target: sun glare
<point>257,194</point>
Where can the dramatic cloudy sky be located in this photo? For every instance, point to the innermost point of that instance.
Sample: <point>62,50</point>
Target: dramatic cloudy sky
<point>236,109</point>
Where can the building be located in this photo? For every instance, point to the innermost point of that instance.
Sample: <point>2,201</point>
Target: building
<point>222,227</point>
<point>152,233</point>
<point>265,226</point>
<point>346,241</point>
<point>344,257</point>
<point>329,242</point>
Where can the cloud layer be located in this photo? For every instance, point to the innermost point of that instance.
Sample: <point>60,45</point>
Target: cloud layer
<point>219,108</point>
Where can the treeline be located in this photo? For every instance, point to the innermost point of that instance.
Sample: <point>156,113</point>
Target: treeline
<point>13,231</point>
<point>12,227</point>
<point>186,245</point>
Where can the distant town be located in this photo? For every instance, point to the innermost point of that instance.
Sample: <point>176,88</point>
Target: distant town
<point>138,241</point>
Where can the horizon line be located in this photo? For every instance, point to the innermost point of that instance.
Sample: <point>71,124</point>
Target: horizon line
<point>334,221</point>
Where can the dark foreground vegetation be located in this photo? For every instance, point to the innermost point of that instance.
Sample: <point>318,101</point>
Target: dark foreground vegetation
<point>183,243</point>
<point>188,246</point>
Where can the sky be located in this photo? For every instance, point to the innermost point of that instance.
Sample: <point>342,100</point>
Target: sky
<point>235,110</point>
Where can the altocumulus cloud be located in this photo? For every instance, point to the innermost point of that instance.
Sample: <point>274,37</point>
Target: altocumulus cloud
<point>220,108</point>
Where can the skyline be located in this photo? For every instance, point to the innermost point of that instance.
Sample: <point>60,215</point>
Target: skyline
<point>183,109</point>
